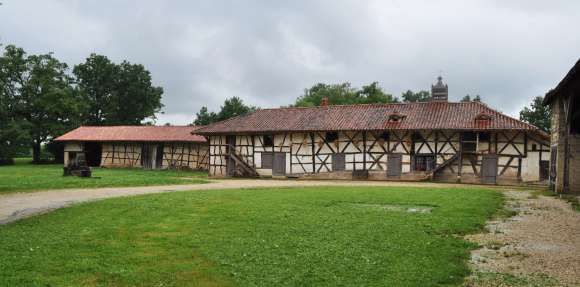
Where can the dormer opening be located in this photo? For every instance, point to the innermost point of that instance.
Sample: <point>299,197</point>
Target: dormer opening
<point>396,117</point>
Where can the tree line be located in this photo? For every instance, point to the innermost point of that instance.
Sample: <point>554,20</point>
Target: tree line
<point>42,98</point>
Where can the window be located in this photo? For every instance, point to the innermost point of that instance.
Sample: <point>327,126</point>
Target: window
<point>396,117</point>
<point>268,140</point>
<point>424,162</point>
<point>331,136</point>
<point>484,137</point>
<point>534,147</point>
<point>384,136</point>
<point>468,142</point>
<point>417,137</point>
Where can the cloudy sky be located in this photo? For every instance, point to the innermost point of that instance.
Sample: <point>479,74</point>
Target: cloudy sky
<point>267,52</point>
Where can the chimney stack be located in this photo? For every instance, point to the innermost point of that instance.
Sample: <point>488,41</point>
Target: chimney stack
<point>439,91</point>
<point>324,102</point>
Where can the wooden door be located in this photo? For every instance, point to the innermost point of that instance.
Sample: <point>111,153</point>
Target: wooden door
<point>146,156</point>
<point>553,171</point>
<point>230,148</point>
<point>338,162</point>
<point>159,156</point>
<point>489,169</point>
<point>279,167</point>
<point>544,170</point>
<point>394,165</point>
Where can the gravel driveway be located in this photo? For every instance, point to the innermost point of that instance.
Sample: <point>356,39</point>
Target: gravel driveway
<point>15,206</point>
<point>540,245</point>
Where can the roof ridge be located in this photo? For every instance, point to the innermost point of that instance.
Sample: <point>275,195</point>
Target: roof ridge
<point>368,104</point>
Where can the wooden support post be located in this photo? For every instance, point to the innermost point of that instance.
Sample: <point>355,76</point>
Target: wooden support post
<point>364,150</point>
<point>460,162</point>
<point>313,153</point>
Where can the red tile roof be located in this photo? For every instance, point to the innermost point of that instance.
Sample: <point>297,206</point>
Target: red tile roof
<point>415,116</point>
<point>133,133</point>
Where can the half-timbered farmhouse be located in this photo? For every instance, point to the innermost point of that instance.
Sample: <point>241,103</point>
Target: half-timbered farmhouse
<point>149,147</point>
<point>564,101</point>
<point>439,140</point>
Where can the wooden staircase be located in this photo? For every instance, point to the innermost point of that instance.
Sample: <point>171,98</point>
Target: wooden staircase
<point>242,167</point>
<point>443,165</point>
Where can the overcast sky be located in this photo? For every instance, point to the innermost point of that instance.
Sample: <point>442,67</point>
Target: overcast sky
<point>267,52</point>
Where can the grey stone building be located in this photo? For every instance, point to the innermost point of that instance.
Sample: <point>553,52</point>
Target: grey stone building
<point>564,101</point>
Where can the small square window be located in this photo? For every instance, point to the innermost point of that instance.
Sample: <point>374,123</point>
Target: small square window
<point>534,147</point>
<point>384,136</point>
<point>331,136</point>
<point>484,137</point>
<point>268,140</point>
<point>417,137</point>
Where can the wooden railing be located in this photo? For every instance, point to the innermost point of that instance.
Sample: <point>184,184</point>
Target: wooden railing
<point>242,168</point>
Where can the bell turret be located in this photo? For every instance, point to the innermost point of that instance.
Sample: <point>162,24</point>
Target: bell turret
<point>439,91</point>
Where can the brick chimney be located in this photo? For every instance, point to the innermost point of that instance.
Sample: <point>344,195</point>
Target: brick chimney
<point>324,102</point>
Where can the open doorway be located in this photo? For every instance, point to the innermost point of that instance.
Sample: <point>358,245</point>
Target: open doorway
<point>93,151</point>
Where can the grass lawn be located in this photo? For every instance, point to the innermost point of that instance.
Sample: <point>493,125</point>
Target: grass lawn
<point>24,176</point>
<point>323,236</point>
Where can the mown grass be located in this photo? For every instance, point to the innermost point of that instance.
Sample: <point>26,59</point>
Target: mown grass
<point>24,176</point>
<point>324,236</point>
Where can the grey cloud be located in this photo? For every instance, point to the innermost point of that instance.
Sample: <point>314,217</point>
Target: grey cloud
<point>267,52</point>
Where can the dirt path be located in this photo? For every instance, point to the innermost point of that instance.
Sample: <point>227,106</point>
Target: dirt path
<point>539,246</point>
<point>15,206</point>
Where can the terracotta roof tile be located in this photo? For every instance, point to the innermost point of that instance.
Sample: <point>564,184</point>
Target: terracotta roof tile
<point>416,116</point>
<point>133,133</point>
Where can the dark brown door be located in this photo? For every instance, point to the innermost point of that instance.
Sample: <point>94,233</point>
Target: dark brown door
<point>544,169</point>
<point>489,169</point>
<point>553,172</point>
<point>267,159</point>
<point>146,156</point>
<point>338,162</point>
<point>279,167</point>
<point>159,156</point>
<point>394,165</point>
<point>230,148</point>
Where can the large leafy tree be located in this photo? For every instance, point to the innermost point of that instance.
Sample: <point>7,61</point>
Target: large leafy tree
<point>12,136</point>
<point>412,97</point>
<point>537,114</point>
<point>39,96</point>
<point>343,94</point>
<point>96,82</point>
<point>117,93</point>
<point>232,107</point>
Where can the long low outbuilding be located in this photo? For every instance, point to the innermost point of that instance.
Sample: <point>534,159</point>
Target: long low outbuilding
<point>438,140</point>
<point>151,147</point>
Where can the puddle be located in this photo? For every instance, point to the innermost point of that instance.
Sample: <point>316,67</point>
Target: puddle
<point>396,207</point>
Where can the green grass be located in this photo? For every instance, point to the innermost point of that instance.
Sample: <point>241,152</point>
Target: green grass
<point>24,176</point>
<point>324,236</point>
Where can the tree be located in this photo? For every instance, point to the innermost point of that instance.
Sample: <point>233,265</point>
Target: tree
<point>467,98</point>
<point>12,136</point>
<point>232,107</point>
<point>96,82</point>
<point>343,94</point>
<point>412,97</point>
<point>40,96</point>
<point>117,93</point>
<point>203,117</point>
<point>537,114</point>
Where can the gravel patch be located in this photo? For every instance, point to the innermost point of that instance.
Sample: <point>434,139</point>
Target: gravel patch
<point>541,241</point>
